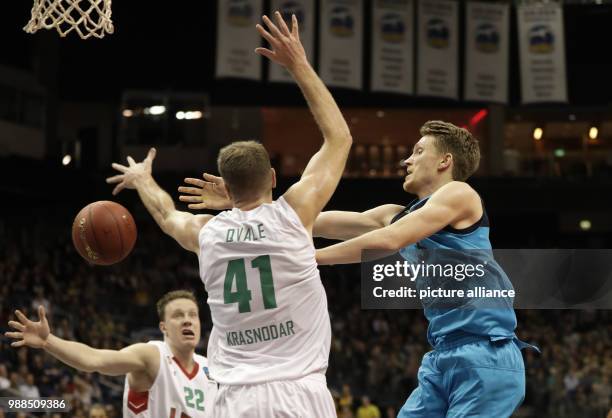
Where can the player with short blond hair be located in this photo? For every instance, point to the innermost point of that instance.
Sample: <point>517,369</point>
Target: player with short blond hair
<point>163,378</point>
<point>271,336</point>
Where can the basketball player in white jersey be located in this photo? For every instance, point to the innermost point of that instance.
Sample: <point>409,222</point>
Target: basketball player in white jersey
<point>271,335</point>
<point>165,379</point>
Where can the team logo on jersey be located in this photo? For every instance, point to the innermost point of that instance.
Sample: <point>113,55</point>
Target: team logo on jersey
<point>487,38</point>
<point>392,28</point>
<point>342,24</point>
<point>541,39</point>
<point>438,33</point>
<point>239,12</point>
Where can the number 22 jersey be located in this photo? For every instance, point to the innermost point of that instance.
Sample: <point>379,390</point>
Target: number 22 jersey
<point>176,392</point>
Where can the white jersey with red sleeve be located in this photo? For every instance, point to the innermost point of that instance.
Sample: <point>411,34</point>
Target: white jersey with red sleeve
<point>176,392</point>
<point>268,305</point>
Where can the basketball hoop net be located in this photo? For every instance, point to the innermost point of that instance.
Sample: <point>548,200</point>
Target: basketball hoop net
<point>86,17</point>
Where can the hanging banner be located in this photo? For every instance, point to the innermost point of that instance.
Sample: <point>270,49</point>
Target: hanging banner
<point>487,52</point>
<point>341,34</point>
<point>237,39</point>
<point>542,46</point>
<point>392,46</point>
<point>305,13</point>
<point>438,45</point>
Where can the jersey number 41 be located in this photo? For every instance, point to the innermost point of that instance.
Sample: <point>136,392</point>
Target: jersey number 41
<point>236,272</point>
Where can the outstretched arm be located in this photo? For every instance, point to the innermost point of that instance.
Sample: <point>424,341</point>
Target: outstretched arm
<point>344,225</point>
<point>209,193</point>
<point>135,358</point>
<point>323,172</point>
<point>184,227</point>
<point>451,203</point>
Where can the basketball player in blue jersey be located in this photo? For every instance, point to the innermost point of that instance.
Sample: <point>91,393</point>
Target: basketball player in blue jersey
<point>476,368</point>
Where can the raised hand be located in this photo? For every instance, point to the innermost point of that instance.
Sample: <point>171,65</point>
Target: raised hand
<point>287,50</point>
<point>29,333</point>
<point>132,173</point>
<point>209,193</point>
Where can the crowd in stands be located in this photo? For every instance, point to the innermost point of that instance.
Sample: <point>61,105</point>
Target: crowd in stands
<point>374,357</point>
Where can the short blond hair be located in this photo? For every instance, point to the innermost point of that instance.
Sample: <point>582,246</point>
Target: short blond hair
<point>245,168</point>
<point>169,297</point>
<point>458,142</point>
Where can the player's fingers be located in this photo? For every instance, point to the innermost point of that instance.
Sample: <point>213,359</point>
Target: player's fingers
<point>197,206</point>
<point>17,344</point>
<point>16,325</point>
<point>266,53</point>
<point>212,178</point>
<point>152,153</point>
<point>191,199</point>
<point>190,190</point>
<point>42,315</point>
<point>131,161</point>
<point>195,182</point>
<point>119,187</point>
<point>119,167</point>
<point>272,28</point>
<point>281,24</point>
<point>295,30</point>
<point>266,35</point>
<point>115,179</point>
<point>14,335</point>
<point>22,318</point>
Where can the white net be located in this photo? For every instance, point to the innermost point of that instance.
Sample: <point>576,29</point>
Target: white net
<point>86,17</point>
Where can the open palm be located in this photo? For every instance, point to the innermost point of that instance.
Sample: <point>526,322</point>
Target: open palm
<point>29,333</point>
<point>209,193</point>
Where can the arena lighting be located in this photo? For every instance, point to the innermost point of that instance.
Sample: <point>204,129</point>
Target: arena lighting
<point>538,133</point>
<point>189,114</point>
<point>155,110</point>
<point>67,159</point>
<point>380,114</point>
<point>560,152</point>
<point>478,117</point>
<point>127,113</point>
<point>593,132</point>
<point>585,224</point>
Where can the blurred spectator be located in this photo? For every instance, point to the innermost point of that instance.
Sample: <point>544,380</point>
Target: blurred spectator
<point>28,389</point>
<point>367,409</point>
<point>5,383</point>
<point>97,411</point>
<point>346,398</point>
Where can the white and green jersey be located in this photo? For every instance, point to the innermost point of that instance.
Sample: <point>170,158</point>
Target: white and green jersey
<point>175,393</point>
<point>268,305</point>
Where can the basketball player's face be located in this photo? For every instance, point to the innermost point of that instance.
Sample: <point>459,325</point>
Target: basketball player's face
<point>422,165</point>
<point>182,323</point>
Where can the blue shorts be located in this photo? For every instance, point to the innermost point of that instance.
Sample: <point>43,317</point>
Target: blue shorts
<point>479,378</point>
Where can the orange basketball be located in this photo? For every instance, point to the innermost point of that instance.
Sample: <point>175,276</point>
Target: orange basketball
<point>104,232</point>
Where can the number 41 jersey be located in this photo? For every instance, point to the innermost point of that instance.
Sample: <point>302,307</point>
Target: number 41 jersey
<point>176,392</point>
<point>268,305</point>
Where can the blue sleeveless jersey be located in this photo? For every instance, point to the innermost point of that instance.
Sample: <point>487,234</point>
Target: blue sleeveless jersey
<point>446,324</point>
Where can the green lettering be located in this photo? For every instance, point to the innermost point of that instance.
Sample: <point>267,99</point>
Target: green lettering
<point>230,235</point>
<point>290,328</point>
<point>257,334</point>
<point>266,335</point>
<point>273,332</point>
<point>261,231</point>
